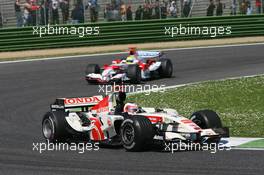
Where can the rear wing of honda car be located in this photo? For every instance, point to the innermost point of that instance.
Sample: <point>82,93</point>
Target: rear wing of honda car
<point>78,103</point>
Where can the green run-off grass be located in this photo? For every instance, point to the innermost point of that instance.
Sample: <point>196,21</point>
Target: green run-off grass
<point>239,102</point>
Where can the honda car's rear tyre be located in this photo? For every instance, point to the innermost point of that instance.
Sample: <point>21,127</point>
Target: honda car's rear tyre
<point>54,127</point>
<point>137,133</point>
<point>134,73</point>
<point>166,68</point>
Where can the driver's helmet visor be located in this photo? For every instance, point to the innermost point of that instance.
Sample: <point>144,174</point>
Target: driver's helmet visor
<point>130,59</point>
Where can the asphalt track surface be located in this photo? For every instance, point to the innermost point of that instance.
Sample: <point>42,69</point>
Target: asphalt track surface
<point>27,89</point>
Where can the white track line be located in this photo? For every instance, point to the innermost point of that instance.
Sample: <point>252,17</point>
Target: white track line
<point>230,148</point>
<point>113,53</point>
<point>249,149</point>
<point>237,141</point>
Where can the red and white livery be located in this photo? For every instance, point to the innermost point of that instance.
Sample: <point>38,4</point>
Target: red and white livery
<point>137,66</point>
<point>110,120</point>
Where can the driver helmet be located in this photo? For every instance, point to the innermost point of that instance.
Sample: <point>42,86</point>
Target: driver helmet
<point>121,97</point>
<point>130,59</point>
<point>131,108</point>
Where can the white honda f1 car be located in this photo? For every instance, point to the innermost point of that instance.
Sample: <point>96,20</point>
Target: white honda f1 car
<point>139,65</point>
<point>110,121</point>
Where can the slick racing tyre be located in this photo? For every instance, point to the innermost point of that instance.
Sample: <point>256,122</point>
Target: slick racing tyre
<point>137,133</point>
<point>166,68</point>
<point>92,68</point>
<point>206,119</point>
<point>134,73</point>
<point>54,127</point>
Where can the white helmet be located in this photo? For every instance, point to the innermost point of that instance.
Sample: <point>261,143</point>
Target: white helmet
<point>131,108</point>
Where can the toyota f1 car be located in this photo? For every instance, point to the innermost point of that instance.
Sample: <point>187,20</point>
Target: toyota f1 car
<point>139,65</point>
<point>110,121</point>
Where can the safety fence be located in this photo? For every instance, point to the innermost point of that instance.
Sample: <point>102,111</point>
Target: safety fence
<point>28,38</point>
